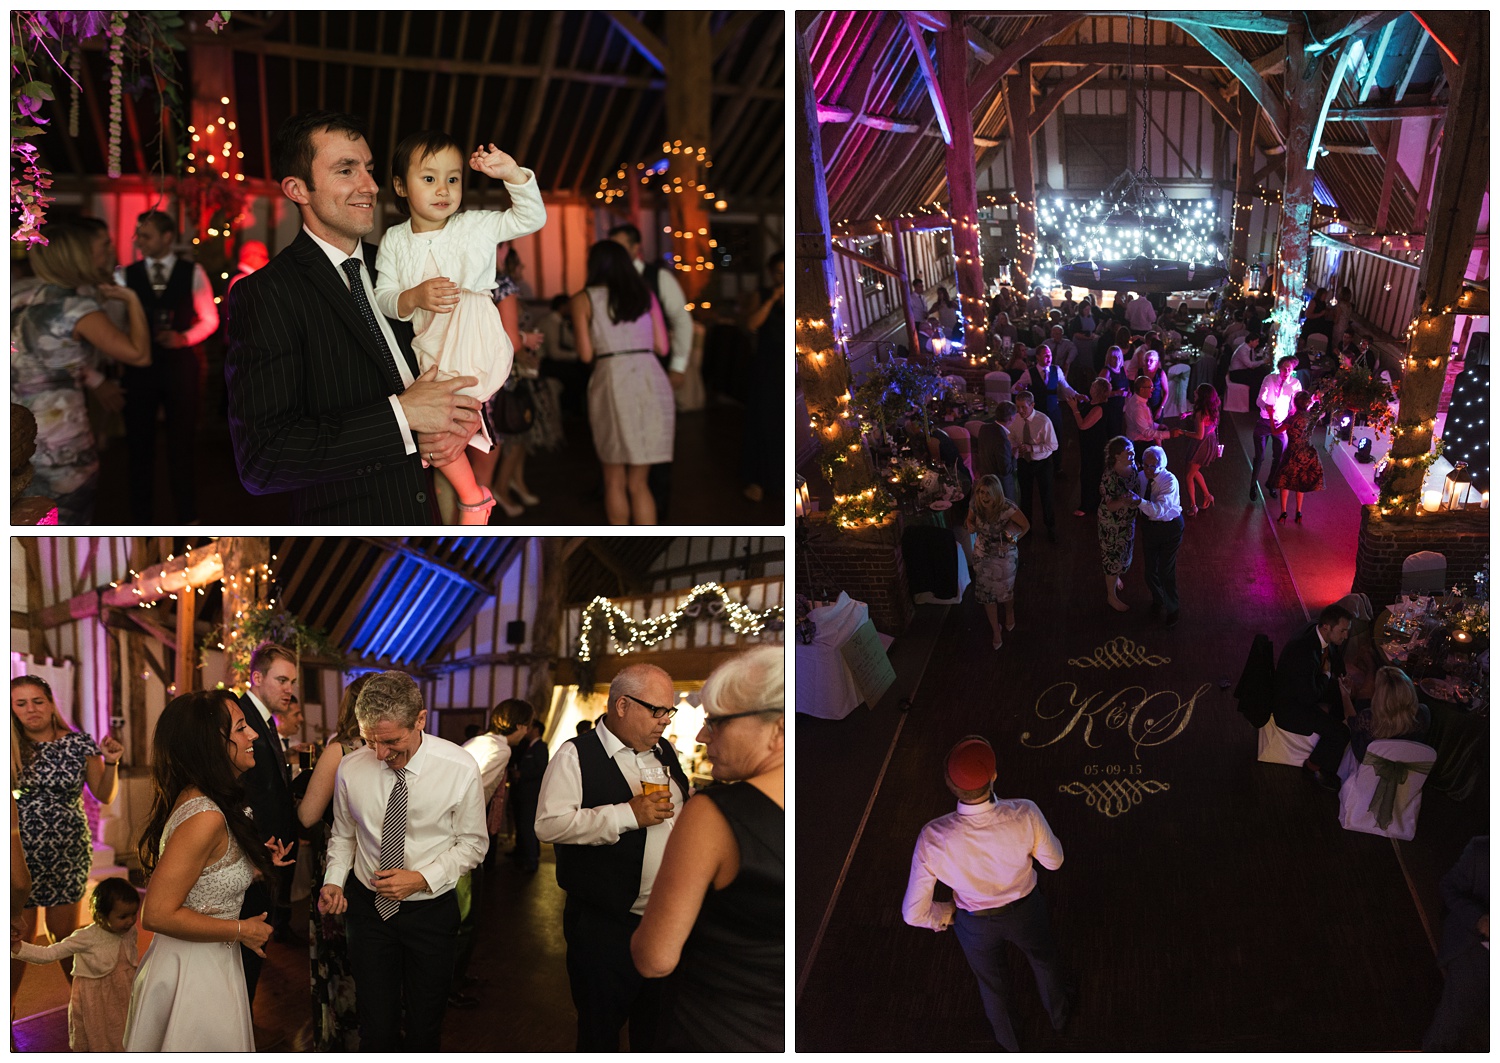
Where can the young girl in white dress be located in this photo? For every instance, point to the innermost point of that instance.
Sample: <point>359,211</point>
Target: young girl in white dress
<point>437,270</point>
<point>105,957</point>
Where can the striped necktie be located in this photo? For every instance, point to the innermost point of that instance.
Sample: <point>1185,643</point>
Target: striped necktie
<point>393,841</point>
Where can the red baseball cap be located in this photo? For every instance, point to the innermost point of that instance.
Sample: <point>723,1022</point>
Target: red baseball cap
<point>971,763</point>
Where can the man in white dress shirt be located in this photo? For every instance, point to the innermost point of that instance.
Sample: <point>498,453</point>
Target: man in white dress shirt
<point>180,309</point>
<point>1140,315</point>
<point>984,853</point>
<point>1035,441</point>
<point>1274,405</point>
<point>408,821</point>
<point>608,836</point>
<point>1161,532</point>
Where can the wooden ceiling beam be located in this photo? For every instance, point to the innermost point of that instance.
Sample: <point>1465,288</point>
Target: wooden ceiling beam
<point>1336,26</point>
<point>1239,66</point>
<point>929,74</point>
<point>857,92</point>
<point>539,87</point>
<point>649,45</point>
<point>985,48</point>
<point>1273,62</point>
<point>725,34</point>
<point>1209,91</point>
<point>629,582</point>
<point>1025,46</point>
<point>936,21</point>
<point>468,66</point>
<point>1418,46</point>
<point>1061,90</point>
<point>1387,114</point>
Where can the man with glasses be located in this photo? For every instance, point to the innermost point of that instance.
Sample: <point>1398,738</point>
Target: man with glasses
<point>608,833</point>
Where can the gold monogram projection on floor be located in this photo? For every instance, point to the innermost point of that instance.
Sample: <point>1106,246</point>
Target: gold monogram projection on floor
<point>1146,718</point>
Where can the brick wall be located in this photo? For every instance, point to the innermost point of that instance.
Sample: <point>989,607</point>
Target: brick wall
<point>866,564</point>
<point>1385,542</point>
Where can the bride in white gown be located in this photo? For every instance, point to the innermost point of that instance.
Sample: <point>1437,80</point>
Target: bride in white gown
<point>189,994</point>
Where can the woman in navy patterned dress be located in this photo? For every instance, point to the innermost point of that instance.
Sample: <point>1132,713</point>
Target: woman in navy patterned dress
<point>55,762</point>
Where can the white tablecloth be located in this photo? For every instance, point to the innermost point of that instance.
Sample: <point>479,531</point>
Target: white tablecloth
<point>824,685</point>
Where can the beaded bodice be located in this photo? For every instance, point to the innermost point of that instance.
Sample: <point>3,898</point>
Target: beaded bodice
<point>220,889</point>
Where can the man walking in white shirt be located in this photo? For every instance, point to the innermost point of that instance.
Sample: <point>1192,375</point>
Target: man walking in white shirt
<point>984,852</point>
<point>408,821</point>
<point>1035,441</point>
<point>1274,404</point>
<point>1161,532</point>
<point>607,803</point>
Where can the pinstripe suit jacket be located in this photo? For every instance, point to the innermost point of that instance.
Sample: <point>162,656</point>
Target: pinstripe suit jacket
<point>309,397</point>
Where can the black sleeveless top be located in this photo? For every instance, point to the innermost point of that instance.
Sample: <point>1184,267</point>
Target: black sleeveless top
<point>727,993</point>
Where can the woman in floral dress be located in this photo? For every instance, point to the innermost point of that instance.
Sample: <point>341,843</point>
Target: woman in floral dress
<point>1300,470</point>
<point>996,524</point>
<point>58,330</point>
<point>1117,517</point>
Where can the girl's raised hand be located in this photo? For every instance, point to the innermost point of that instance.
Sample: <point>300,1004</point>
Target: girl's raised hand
<point>492,162</point>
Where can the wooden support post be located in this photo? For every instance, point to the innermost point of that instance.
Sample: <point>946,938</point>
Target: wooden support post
<point>904,279</point>
<point>1462,178</point>
<point>186,672</point>
<point>963,203</point>
<point>1300,100</point>
<point>552,589</point>
<point>243,559</point>
<point>1018,109</point>
<point>688,98</point>
<point>1435,136</point>
<point>823,369</point>
<point>1244,189</point>
<point>1388,180</point>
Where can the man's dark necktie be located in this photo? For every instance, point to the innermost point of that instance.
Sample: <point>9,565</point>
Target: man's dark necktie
<point>393,841</point>
<point>366,311</point>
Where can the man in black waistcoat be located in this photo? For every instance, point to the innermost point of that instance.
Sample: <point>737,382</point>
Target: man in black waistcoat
<point>180,309</point>
<point>268,785</point>
<point>608,837</point>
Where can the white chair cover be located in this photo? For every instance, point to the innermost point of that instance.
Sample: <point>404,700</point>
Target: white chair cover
<point>960,437</point>
<point>973,428</point>
<point>1359,791</point>
<point>1177,404</point>
<point>1210,341</point>
<point>956,382</point>
<point>1424,572</point>
<point>997,387</point>
<point>1347,765</point>
<point>1237,398</point>
<point>825,687</point>
<point>1275,746</point>
<point>1317,343</point>
<point>1359,605</point>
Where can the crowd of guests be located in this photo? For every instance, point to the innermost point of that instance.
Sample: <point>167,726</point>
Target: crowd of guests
<point>100,351</point>
<point>674,920</point>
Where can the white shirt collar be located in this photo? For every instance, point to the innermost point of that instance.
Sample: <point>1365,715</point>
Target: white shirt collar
<point>611,741</point>
<point>265,713</point>
<point>168,261</point>
<point>965,809</point>
<point>337,255</point>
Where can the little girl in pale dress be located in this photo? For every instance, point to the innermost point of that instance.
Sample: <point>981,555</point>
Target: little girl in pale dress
<point>438,269</point>
<point>105,957</point>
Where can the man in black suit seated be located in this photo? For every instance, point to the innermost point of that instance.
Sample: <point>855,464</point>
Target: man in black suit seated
<point>1311,689</point>
<point>325,399</point>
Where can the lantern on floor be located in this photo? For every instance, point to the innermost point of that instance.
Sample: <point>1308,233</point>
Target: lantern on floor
<point>1364,450</point>
<point>1456,488</point>
<point>1343,423</point>
<point>1480,482</point>
<point>802,497</point>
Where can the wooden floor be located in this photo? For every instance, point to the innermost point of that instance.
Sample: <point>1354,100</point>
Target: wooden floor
<point>707,489</point>
<point>524,1003</point>
<point>1207,902</point>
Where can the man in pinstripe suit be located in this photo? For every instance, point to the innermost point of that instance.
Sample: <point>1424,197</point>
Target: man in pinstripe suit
<point>324,396</point>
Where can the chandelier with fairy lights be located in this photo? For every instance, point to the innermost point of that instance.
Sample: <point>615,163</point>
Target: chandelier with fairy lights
<point>1135,235</point>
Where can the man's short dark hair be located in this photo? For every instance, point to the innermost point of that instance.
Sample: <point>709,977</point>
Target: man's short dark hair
<point>510,715</point>
<point>630,232</point>
<point>1333,614</point>
<point>161,221</point>
<point>292,151</point>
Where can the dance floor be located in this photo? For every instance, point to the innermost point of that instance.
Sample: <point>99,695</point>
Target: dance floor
<point>706,481</point>
<point>524,1003</point>
<point>1207,902</point>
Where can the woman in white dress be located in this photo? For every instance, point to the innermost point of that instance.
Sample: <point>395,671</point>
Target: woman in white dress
<point>618,324</point>
<point>201,851</point>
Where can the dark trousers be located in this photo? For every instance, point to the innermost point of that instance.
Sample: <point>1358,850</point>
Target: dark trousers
<point>1332,732</point>
<point>1027,925</point>
<point>1162,539</point>
<point>409,958</point>
<point>1040,474</point>
<point>258,901</point>
<point>526,795</point>
<point>607,989</point>
<point>1278,444</point>
<point>468,925</point>
<point>174,380</point>
<point>1462,1018</point>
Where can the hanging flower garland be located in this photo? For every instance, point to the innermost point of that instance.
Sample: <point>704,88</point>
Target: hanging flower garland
<point>116,90</point>
<point>707,601</point>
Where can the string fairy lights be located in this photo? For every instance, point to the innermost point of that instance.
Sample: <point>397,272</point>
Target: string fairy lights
<point>706,601</point>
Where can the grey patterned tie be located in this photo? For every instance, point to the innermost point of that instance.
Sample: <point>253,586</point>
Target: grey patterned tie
<point>366,311</point>
<point>393,841</point>
<point>158,277</point>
